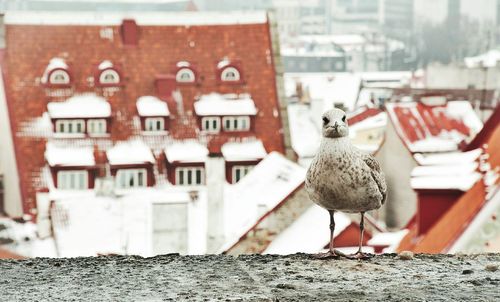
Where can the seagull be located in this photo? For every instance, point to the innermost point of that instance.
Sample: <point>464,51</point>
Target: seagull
<point>343,178</point>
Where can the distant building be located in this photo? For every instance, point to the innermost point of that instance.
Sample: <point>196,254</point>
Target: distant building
<point>140,127</point>
<point>458,198</point>
<point>430,126</point>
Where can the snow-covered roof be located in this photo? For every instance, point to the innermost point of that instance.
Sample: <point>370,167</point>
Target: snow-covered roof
<point>331,88</point>
<point>91,225</point>
<point>434,128</point>
<point>304,132</point>
<point>71,157</point>
<point>141,18</point>
<point>243,151</point>
<point>54,63</point>
<point>219,104</point>
<point>105,65</point>
<point>130,152</point>
<point>488,59</point>
<point>444,182</point>
<point>189,151</point>
<point>80,106</point>
<point>449,158</point>
<point>259,192</point>
<point>389,239</point>
<point>152,106</point>
<point>458,169</point>
<point>309,233</point>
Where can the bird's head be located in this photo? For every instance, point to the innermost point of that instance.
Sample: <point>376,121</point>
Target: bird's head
<point>335,123</point>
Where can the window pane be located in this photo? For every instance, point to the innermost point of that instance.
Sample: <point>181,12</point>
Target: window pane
<point>243,123</point>
<point>235,123</point>
<point>228,124</point>
<point>237,174</point>
<point>72,181</point>
<point>214,124</point>
<point>181,177</point>
<point>140,176</point>
<point>130,179</point>
<point>198,176</point>
<point>158,125</point>
<point>82,181</point>
<point>189,177</point>
<point>70,127</point>
<point>61,127</point>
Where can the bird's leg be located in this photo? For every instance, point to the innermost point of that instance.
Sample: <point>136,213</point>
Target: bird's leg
<point>359,254</point>
<point>332,253</point>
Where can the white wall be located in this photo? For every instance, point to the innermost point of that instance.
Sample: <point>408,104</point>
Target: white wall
<point>8,166</point>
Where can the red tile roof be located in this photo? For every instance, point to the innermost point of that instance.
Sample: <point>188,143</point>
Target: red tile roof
<point>416,123</point>
<point>362,114</point>
<point>451,225</point>
<point>31,47</point>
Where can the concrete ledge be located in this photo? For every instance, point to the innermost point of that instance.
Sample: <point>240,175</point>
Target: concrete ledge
<point>251,278</point>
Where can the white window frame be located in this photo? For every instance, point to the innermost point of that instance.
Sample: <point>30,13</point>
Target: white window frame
<point>122,175</point>
<point>115,77</point>
<point>96,124</point>
<point>59,72</point>
<point>153,121</point>
<point>185,71</point>
<point>73,180</point>
<point>244,169</point>
<point>224,75</point>
<point>236,123</point>
<point>210,120</point>
<point>182,179</point>
<point>73,123</point>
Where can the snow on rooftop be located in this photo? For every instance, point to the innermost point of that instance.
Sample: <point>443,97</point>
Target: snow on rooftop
<point>130,152</point>
<point>80,106</point>
<point>444,170</point>
<point>152,106</point>
<point>376,121</point>
<point>89,225</point>
<point>267,185</point>
<point>443,182</point>
<point>309,233</point>
<point>304,133</point>
<point>188,151</point>
<point>105,65</point>
<point>331,88</point>
<point>72,157</point>
<point>218,104</point>
<point>389,239</point>
<point>243,151</point>
<point>438,128</point>
<point>488,59</point>
<point>450,158</point>
<point>141,18</point>
<point>54,63</point>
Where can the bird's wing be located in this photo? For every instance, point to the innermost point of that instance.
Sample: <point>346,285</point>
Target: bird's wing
<point>376,173</point>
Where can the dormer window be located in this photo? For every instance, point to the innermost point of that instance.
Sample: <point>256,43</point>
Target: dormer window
<point>230,74</point>
<point>80,115</point>
<point>185,75</point>
<point>154,114</point>
<point>56,73</point>
<point>107,74</point>
<point>59,76</point>
<point>184,72</point>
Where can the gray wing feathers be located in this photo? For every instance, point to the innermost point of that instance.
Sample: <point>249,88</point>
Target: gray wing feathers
<point>377,174</point>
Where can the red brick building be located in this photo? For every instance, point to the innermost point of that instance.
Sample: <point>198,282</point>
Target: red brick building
<point>90,81</point>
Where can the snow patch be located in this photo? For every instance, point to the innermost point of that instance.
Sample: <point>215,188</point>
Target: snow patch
<point>243,151</point>
<point>69,157</point>
<point>129,153</point>
<point>189,151</point>
<point>215,104</point>
<point>152,106</point>
<point>80,106</point>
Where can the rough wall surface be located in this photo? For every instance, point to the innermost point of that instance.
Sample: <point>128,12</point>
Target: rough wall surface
<point>252,278</point>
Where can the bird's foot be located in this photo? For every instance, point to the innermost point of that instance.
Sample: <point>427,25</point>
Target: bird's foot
<point>359,256</point>
<point>329,255</point>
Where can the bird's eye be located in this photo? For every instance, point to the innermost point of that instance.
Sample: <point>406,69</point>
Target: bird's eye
<point>325,120</point>
<point>343,118</point>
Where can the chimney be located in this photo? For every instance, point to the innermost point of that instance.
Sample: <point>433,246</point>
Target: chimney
<point>130,32</point>
<point>431,206</point>
<point>215,178</point>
